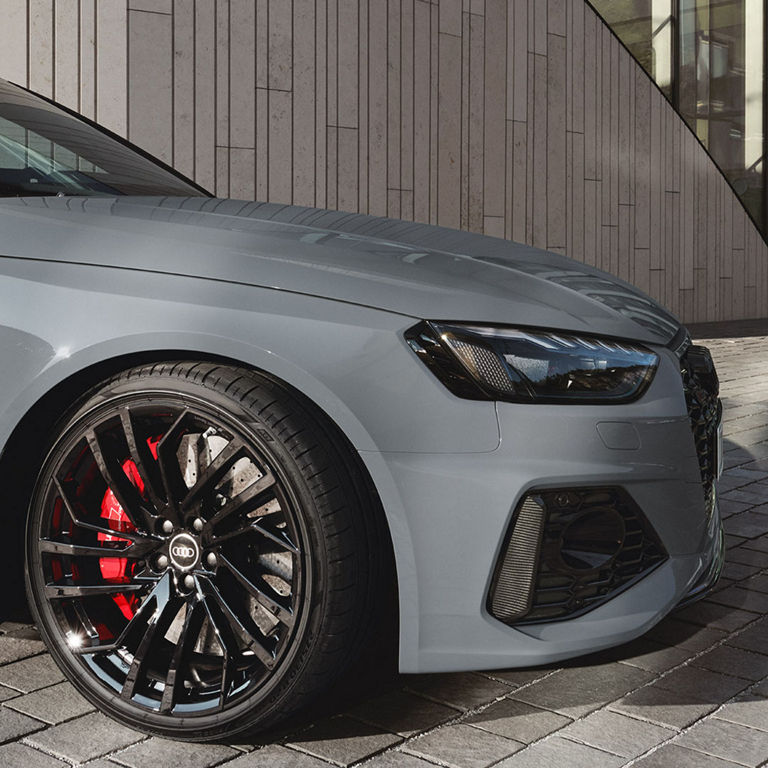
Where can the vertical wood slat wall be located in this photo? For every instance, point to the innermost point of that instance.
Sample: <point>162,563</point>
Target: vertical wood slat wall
<point>524,119</point>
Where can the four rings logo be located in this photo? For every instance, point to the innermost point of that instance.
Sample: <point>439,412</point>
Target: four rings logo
<point>184,551</point>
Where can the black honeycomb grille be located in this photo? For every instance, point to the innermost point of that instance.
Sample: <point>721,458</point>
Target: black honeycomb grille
<point>701,388</point>
<point>594,543</point>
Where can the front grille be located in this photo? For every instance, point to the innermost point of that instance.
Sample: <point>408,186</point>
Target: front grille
<point>584,545</point>
<point>701,388</point>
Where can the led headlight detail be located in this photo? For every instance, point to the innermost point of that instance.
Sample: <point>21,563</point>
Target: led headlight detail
<point>520,365</point>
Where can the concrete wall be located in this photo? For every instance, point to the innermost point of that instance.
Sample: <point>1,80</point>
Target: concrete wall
<point>521,118</point>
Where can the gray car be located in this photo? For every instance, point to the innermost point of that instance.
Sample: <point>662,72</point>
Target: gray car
<point>234,433</point>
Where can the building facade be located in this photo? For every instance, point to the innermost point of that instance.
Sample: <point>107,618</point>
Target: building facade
<point>524,119</point>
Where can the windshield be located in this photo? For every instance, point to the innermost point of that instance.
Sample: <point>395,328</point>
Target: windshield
<point>46,151</point>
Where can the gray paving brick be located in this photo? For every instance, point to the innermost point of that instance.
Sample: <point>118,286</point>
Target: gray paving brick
<point>753,638</point>
<point>276,756</point>
<point>728,741</point>
<point>13,725</point>
<point>343,740</point>
<point>617,733</point>
<point>747,524</point>
<point>53,705</point>
<point>711,615</point>
<point>674,756</point>
<point>652,656</point>
<point>518,677</point>
<point>734,661</point>
<point>464,690</point>
<point>20,756</point>
<point>557,752</point>
<point>85,738</point>
<point>30,674</point>
<point>702,685</point>
<point>462,746</point>
<point>576,691</point>
<point>683,634</point>
<point>749,710</point>
<point>14,648</point>
<point>403,713</point>
<point>663,707</point>
<point>518,720</point>
<point>397,759</point>
<point>750,556</point>
<point>738,597</point>
<point>154,752</point>
<point>739,571</point>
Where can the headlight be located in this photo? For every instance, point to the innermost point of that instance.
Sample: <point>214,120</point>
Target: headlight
<point>519,365</point>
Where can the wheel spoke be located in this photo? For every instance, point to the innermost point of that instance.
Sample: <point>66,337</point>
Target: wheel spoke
<point>129,535</point>
<point>261,527</point>
<point>209,478</point>
<point>149,603</point>
<point>137,550</point>
<point>261,594</point>
<point>246,500</point>
<point>193,623</point>
<point>145,463</point>
<point>168,462</point>
<point>168,606</point>
<point>58,591</point>
<point>236,626</point>
<point>126,493</point>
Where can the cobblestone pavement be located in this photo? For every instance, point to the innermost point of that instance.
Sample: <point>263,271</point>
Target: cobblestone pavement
<point>692,692</point>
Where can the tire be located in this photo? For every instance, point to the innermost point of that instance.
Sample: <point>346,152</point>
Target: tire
<point>202,552</point>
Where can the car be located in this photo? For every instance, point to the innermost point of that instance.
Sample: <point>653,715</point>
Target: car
<point>234,432</point>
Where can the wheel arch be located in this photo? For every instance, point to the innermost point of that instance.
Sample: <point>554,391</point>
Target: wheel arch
<point>27,445</point>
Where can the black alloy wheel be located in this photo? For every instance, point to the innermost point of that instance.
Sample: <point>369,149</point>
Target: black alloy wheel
<point>200,548</point>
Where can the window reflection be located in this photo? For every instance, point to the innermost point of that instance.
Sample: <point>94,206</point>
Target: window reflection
<point>707,56</point>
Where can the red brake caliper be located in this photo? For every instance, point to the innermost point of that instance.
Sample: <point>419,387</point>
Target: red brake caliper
<point>118,570</point>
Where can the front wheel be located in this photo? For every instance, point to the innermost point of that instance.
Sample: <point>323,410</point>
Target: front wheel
<point>200,550</point>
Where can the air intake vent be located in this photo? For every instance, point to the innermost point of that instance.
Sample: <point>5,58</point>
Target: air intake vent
<point>570,550</point>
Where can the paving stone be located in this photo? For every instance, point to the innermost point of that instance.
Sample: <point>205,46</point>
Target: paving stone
<point>343,740</point>
<point>749,710</point>
<point>275,756</point>
<point>683,634</point>
<point>14,725</point>
<point>654,657</point>
<point>462,746</point>
<point>749,556</point>
<point>747,524</point>
<point>576,691</point>
<point>30,674</point>
<point>702,685</point>
<point>674,756</point>
<point>14,648</point>
<point>753,638</point>
<point>85,738</point>
<point>738,597</point>
<point>393,759</point>
<point>8,693</point>
<point>734,661</point>
<point>711,615</point>
<point>757,583</point>
<point>728,741</point>
<point>518,720</point>
<point>53,705</point>
<point>617,733</point>
<point>739,571</point>
<point>760,544</point>
<point>663,707</point>
<point>462,690</point>
<point>518,677</point>
<point>557,752</point>
<point>20,756</point>
<point>155,751</point>
<point>403,713</point>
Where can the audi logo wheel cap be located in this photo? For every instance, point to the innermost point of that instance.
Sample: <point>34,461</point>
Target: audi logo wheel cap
<point>184,552</point>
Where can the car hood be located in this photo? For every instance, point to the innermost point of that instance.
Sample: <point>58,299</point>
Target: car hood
<point>417,270</point>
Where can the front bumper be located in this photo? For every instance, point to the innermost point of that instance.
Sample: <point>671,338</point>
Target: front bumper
<point>449,515</point>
